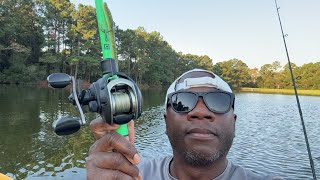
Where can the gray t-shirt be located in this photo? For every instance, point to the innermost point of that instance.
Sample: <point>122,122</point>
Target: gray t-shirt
<point>158,169</point>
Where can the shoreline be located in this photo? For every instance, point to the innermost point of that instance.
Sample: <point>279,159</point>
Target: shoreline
<point>85,85</point>
<point>281,91</point>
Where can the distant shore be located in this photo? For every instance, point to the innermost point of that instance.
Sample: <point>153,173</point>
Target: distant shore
<point>86,85</point>
<point>281,91</point>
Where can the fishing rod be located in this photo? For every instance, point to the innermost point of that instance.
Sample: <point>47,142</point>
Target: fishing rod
<point>108,46</point>
<point>296,94</point>
<point>115,96</point>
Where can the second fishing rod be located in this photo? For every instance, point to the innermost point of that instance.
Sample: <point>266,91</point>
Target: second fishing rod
<point>296,95</point>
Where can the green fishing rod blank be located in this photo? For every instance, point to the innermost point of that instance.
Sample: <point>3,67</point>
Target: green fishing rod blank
<point>107,40</point>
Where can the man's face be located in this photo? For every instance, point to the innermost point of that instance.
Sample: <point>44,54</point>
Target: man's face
<point>200,135</point>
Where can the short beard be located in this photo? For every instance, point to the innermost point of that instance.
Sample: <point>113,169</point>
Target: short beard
<point>197,159</point>
<point>200,159</point>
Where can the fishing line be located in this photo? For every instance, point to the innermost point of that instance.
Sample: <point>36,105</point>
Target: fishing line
<point>297,97</point>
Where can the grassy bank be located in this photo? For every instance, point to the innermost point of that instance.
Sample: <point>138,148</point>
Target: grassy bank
<point>281,91</point>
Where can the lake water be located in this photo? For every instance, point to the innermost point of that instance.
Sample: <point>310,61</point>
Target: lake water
<point>269,136</point>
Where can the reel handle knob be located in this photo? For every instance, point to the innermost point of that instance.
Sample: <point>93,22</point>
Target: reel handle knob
<point>66,125</point>
<point>59,80</point>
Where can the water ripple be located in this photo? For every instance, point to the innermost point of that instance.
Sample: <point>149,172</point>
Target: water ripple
<point>151,140</point>
<point>269,136</point>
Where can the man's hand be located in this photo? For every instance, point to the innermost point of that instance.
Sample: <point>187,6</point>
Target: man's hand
<point>112,156</point>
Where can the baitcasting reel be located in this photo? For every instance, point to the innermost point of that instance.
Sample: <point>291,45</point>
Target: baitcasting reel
<point>116,97</point>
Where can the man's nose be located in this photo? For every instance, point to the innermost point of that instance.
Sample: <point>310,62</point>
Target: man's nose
<point>201,112</point>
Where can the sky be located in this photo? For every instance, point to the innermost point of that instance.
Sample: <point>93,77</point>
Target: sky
<point>248,30</point>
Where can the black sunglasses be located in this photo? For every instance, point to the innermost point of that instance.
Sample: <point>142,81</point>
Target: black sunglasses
<point>216,101</point>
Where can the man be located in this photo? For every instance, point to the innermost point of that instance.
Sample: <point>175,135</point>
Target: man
<point>200,124</point>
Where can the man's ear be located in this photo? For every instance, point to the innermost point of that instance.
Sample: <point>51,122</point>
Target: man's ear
<point>165,119</point>
<point>234,124</point>
<point>165,115</point>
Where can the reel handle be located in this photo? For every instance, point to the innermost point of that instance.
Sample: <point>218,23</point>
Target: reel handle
<point>59,80</point>
<point>66,125</point>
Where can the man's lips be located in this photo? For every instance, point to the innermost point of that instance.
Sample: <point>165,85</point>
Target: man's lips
<point>201,133</point>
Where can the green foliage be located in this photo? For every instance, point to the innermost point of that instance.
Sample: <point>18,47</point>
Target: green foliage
<point>151,61</point>
<point>40,37</point>
<point>235,72</point>
<point>306,76</point>
<point>83,31</point>
<point>20,33</point>
<point>20,73</point>
<point>309,74</point>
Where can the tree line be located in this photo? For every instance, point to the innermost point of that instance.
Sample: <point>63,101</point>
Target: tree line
<point>40,37</point>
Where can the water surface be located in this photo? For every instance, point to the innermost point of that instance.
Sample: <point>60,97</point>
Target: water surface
<point>269,136</point>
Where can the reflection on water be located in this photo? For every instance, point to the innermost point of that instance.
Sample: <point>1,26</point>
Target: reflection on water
<point>150,134</point>
<point>269,135</point>
<point>28,146</point>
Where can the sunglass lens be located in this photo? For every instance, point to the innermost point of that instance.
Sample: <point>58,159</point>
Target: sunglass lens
<point>183,101</point>
<point>218,102</point>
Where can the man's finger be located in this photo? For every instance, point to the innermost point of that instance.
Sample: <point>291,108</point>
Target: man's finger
<point>99,127</point>
<point>114,141</point>
<point>113,160</point>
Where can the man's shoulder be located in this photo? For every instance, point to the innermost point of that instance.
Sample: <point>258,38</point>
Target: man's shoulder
<point>239,172</point>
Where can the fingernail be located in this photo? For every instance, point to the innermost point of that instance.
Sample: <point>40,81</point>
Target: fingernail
<point>101,132</point>
<point>136,158</point>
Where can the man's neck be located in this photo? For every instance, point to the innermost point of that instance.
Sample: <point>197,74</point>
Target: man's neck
<point>182,170</point>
